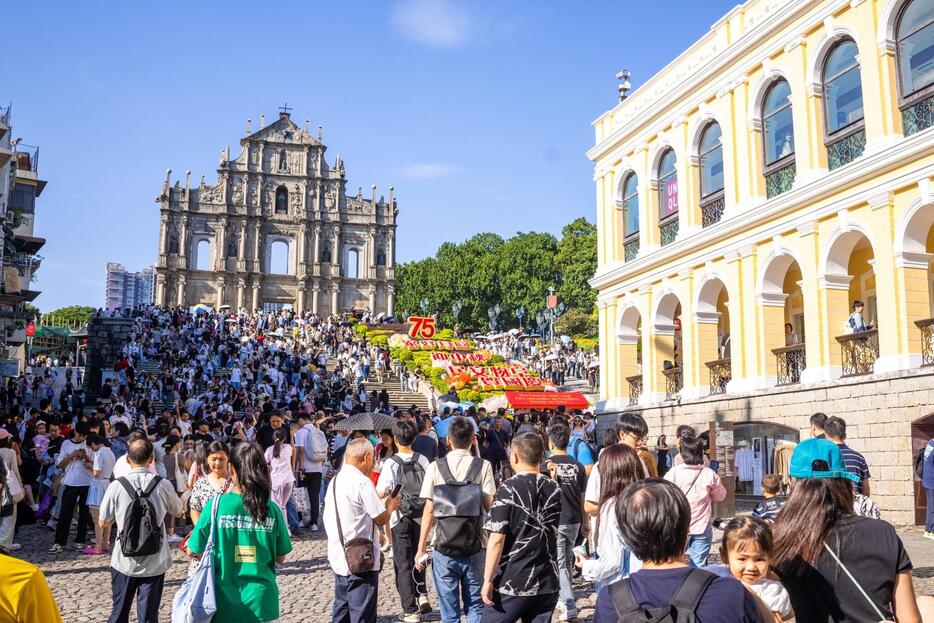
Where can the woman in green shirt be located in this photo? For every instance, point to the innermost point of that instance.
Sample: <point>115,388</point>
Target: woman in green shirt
<point>251,537</point>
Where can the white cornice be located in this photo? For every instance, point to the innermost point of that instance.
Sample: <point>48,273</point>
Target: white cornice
<point>707,243</point>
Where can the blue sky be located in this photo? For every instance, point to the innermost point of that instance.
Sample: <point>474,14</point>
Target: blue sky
<point>478,112</point>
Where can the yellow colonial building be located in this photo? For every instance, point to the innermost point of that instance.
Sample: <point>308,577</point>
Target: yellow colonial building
<point>748,194</point>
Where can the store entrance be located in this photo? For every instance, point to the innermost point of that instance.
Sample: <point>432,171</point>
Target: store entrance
<point>757,444</point>
<point>922,430</point>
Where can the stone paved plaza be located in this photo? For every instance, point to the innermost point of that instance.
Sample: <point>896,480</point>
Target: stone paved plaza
<point>81,584</point>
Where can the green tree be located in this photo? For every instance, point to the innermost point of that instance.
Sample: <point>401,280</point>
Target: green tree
<point>72,316</point>
<point>576,322</point>
<point>577,262</point>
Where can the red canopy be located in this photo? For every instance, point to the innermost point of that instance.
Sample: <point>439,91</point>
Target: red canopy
<point>547,400</point>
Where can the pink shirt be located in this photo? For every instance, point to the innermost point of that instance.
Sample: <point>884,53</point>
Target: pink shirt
<point>702,487</point>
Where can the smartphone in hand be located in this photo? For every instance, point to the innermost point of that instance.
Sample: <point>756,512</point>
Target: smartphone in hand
<point>396,490</point>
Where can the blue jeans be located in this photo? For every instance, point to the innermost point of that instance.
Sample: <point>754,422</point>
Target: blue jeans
<point>699,547</point>
<point>291,514</point>
<point>929,519</point>
<point>567,535</point>
<point>456,578</point>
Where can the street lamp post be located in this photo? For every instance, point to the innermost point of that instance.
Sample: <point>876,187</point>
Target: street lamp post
<point>520,312</point>
<point>493,313</point>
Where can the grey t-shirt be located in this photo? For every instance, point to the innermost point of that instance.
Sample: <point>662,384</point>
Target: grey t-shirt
<point>114,507</point>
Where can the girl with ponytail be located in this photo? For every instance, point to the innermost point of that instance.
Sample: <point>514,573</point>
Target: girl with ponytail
<point>250,538</point>
<point>279,460</point>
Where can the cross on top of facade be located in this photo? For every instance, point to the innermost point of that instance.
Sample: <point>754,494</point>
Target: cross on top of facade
<point>285,109</point>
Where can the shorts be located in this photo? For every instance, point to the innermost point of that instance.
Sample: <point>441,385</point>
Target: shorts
<point>96,492</point>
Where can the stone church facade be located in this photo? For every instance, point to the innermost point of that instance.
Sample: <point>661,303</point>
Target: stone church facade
<point>276,203</point>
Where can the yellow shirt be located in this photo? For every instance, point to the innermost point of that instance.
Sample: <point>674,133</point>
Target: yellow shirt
<point>24,595</point>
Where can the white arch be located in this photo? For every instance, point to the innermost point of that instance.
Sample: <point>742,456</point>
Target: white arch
<point>270,240</point>
<point>777,263</point>
<point>816,62</point>
<point>668,302</point>
<point>627,322</point>
<point>278,261</point>
<point>835,257</point>
<point>911,235</point>
<point>196,255</point>
<point>891,11</point>
<point>357,256</point>
<point>766,80</point>
<point>708,294</point>
<point>656,160</point>
<point>621,173</point>
<point>701,125</point>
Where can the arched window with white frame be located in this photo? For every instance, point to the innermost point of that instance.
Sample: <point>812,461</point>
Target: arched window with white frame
<point>667,198</point>
<point>842,88</point>
<point>710,159</point>
<point>778,139</point>
<point>915,55</point>
<point>630,206</point>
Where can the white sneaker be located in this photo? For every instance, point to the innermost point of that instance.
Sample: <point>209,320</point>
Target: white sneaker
<point>314,527</point>
<point>15,546</point>
<point>52,524</point>
<point>415,617</point>
<point>55,549</point>
<point>173,538</point>
<point>424,605</point>
<point>80,546</point>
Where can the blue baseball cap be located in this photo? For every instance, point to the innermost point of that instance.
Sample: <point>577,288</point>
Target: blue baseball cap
<point>827,456</point>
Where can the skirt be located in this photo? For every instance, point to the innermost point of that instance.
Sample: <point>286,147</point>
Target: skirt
<point>96,492</point>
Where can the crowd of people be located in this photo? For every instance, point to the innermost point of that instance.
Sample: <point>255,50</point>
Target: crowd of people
<point>239,444</point>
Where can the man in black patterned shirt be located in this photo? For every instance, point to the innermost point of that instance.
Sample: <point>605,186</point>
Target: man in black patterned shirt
<point>521,572</point>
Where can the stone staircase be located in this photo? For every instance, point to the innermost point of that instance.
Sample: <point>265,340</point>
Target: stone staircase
<point>398,399</point>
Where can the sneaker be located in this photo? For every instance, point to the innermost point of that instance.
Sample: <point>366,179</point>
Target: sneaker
<point>173,538</point>
<point>929,535</point>
<point>424,606</point>
<point>314,527</point>
<point>413,617</point>
<point>56,549</point>
<point>90,550</point>
<point>81,546</point>
<point>15,546</point>
<point>52,524</point>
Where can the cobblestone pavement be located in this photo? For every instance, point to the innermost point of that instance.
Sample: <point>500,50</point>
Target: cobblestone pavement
<point>81,584</point>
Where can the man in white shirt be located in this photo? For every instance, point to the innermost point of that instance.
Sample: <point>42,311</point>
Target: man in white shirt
<point>142,577</point>
<point>352,496</point>
<point>310,446</point>
<point>120,416</point>
<point>75,459</point>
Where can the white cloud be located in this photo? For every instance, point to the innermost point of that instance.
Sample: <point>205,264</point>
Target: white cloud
<point>439,23</point>
<point>427,171</point>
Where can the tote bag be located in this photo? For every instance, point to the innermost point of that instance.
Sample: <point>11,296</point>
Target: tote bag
<point>196,600</point>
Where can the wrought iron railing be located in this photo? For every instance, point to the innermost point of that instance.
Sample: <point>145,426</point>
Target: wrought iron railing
<point>927,341</point>
<point>790,361</point>
<point>712,211</point>
<point>859,352</point>
<point>918,117</point>
<point>668,231</point>
<point>674,381</point>
<point>631,249</point>
<point>720,374</point>
<point>635,388</point>
<point>27,158</point>
<point>780,181</point>
<point>846,149</point>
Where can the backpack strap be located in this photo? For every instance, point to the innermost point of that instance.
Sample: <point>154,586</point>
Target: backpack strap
<point>476,465</point>
<point>692,589</point>
<point>126,485</point>
<point>445,471</point>
<point>624,600</point>
<point>151,486</point>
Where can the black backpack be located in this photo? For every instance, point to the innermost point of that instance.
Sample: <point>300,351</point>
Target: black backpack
<point>142,529</point>
<point>919,462</point>
<point>683,606</point>
<point>410,475</point>
<point>458,511</point>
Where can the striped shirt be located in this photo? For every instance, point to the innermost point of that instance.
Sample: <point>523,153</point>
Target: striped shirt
<point>855,464</point>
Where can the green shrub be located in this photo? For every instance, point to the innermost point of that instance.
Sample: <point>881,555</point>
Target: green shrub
<point>361,329</point>
<point>497,359</point>
<point>445,334</point>
<point>406,356</point>
<point>380,341</point>
<point>585,343</point>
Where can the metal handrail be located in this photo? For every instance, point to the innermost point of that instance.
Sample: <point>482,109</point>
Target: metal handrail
<point>635,388</point>
<point>859,352</point>
<point>720,374</point>
<point>674,381</point>
<point>790,361</point>
<point>927,341</point>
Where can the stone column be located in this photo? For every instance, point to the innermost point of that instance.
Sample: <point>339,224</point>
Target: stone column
<point>160,290</point>
<point>180,297</point>
<point>390,249</point>
<point>391,300</point>
<point>336,255</point>
<point>300,303</point>
<point>335,291</point>
<point>255,295</point>
<point>163,233</point>
<point>183,244</point>
<point>315,286</point>
<point>220,262</point>
<point>257,260</point>
<point>302,235</point>
<point>241,247</point>
<point>220,291</point>
<point>317,258</point>
<point>372,299</point>
<point>241,284</point>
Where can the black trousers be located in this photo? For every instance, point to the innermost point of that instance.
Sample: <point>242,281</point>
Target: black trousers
<point>70,497</point>
<point>405,536</point>
<point>355,598</point>
<point>148,593</point>
<point>508,609</point>
<point>312,483</point>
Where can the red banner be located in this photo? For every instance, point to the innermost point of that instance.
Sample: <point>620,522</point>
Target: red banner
<point>547,400</point>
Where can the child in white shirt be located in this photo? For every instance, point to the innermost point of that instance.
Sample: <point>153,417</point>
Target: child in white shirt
<point>747,550</point>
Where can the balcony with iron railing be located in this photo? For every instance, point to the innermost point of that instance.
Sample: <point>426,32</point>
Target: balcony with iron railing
<point>27,158</point>
<point>674,381</point>
<point>635,388</point>
<point>720,374</point>
<point>789,362</point>
<point>926,327</point>
<point>858,352</point>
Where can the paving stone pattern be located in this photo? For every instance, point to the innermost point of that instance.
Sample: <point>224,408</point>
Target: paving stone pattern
<point>81,584</point>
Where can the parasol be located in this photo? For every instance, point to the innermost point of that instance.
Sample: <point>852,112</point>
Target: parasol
<point>366,421</point>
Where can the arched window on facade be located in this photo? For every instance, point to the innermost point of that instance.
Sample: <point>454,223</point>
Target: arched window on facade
<point>778,139</point>
<point>844,132</point>
<point>630,217</point>
<point>283,160</point>
<point>667,198</point>
<point>282,200</point>
<point>353,264</point>
<point>279,258</point>
<point>380,257</point>
<point>710,157</point>
<point>915,45</point>
<point>203,255</point>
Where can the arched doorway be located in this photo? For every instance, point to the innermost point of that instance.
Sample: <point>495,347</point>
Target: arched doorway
<point>667,346</point>
<point>628,339</point>
<point>782,320</point>
<point>756,444</point>
<point>713,348</point>
<point>203,255</point>
<point>914,267</point>
<point>279,258</point>
<point>353,264</point>
<point>850,281</point>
